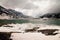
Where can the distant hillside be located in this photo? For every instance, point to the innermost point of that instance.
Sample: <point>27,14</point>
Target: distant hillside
<point>51,15</point>
<point>17,14</point>
<point>12,12</point>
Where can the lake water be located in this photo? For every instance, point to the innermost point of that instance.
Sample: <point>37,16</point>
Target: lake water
<point>38,21</point>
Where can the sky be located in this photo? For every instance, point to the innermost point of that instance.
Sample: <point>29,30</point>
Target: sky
<point>33,8</point>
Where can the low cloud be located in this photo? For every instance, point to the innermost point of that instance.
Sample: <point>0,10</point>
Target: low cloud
<point>33,7</point>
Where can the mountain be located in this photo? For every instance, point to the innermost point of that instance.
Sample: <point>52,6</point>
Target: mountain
<point>16,13</point>
<point>3,10</point>
<point>51,15</point>
<point>12,12</point>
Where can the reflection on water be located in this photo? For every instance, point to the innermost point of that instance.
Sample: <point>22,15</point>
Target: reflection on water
<point>39,21</point>
<point>48,21</point>
<point>4,22</point>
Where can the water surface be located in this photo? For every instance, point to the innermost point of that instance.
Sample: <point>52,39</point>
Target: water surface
<point>38,21</point>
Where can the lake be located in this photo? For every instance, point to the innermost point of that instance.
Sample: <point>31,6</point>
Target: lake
<point>35,21</point>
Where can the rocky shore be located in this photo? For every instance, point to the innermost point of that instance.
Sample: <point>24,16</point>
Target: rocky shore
<point>31,31</point>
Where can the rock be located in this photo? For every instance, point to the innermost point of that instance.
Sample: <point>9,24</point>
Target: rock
<point>7,26</point>
<point>48,31</point>
<point>5,36</point>
<point>1,24</point>
<point>31,30</point>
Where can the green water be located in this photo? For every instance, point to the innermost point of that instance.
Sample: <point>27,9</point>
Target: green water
<point>48,22</point>
<point>2,22</point>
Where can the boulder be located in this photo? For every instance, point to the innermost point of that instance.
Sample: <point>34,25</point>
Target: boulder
<point>48,31</point>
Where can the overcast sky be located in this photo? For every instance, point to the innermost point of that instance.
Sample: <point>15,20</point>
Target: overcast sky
<point>33,7</point>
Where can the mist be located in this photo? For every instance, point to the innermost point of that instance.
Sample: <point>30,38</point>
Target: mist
<point>33,8</point>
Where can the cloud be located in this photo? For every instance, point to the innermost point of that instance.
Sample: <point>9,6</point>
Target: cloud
<point>33,7</point>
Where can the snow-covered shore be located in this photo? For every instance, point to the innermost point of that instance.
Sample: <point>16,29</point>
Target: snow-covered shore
<point>24,26</point>
<point>30,35</point>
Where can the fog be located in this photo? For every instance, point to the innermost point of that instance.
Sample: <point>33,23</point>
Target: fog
<point>33,8</point>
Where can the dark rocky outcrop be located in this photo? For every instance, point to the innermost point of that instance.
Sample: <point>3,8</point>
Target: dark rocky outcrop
<point>1,24</point>
<point>8,26</point>
<point>51,15</point>
<point>32,30</point>
<point>5,36</point>
<point>48,31</point>
<point>3,10</point>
